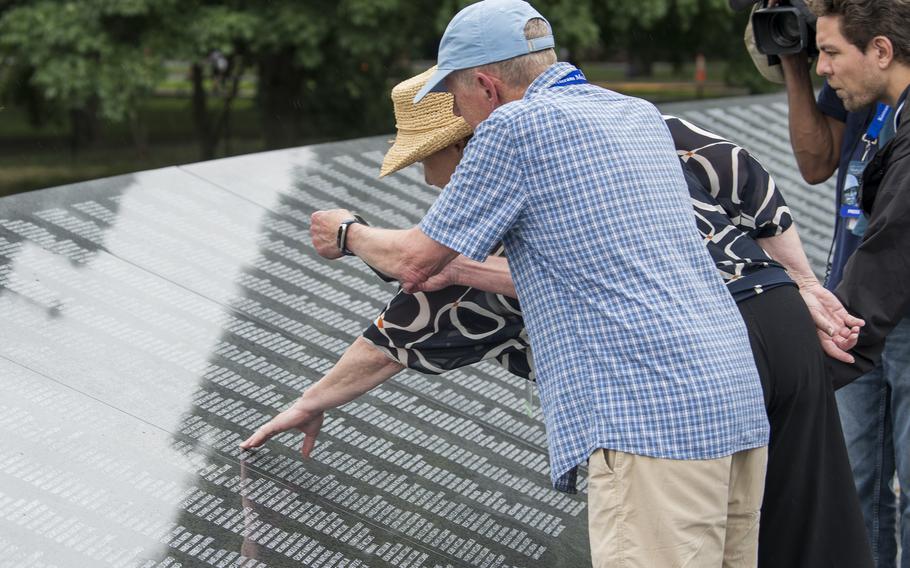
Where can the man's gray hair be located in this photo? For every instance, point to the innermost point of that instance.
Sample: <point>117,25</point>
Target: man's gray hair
<point>518,71</point>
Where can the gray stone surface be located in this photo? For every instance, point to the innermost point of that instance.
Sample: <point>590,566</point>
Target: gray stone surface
<point>152,321</point>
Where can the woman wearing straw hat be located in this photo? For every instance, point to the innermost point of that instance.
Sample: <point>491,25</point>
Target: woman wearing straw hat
<point>471,325</point>
<point>810,515</point>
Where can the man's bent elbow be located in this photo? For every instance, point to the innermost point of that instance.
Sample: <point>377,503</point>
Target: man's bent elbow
<point>817,171</point>
<point>421,257</point>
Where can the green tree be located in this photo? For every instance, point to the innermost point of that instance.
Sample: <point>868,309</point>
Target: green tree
<point>667,30</point>
<point>325,67</point>
<point>88,58</point>
<point>215,38</point>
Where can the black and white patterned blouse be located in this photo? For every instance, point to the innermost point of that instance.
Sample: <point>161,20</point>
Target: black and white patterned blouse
<point>433,332</point>
<point>734,199</point>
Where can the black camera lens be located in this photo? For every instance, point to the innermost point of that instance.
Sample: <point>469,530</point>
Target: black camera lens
<point>785,29</point>
<point>781,29</point>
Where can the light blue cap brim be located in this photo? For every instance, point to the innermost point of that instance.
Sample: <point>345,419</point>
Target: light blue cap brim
<point>485,32</point>
<point>435,84</point>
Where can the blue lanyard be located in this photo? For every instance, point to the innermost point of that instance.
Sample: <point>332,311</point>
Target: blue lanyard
<point>875,128</point>
<point>575,77</point>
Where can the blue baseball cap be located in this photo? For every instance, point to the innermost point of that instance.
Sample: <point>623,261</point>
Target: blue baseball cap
<point>486,32</point>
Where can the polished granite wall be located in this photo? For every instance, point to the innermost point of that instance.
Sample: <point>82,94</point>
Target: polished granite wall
<point>152,321</point>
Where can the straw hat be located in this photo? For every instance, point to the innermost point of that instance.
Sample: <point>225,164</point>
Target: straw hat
<point>424,128</point>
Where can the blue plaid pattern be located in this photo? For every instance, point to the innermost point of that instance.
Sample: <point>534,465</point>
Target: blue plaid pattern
<point>638,346</point>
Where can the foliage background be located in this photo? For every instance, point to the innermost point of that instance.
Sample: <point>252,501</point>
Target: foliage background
<point>97,87</point>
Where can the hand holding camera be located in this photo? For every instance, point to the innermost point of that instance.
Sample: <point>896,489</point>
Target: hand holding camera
<point>781,27</point>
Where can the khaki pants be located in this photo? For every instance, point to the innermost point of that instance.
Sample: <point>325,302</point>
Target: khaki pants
<point>658,513</point>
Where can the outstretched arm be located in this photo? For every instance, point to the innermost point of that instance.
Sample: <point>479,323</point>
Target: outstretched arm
<point>407,255</point>
<point>360,369</point>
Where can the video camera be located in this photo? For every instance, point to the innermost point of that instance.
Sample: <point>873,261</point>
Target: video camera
<point>788,27</point>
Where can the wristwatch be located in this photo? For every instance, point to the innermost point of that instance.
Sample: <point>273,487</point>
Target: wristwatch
<point>342,238</point>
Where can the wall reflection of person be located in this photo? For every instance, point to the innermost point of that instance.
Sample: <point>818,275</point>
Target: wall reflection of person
<point>249,548</point>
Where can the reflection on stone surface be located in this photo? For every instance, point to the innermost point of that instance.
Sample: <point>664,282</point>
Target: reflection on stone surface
<point>152,321</point>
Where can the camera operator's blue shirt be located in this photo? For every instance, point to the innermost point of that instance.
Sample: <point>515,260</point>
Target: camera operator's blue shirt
<point>846,241</point>
<point>638,346</point>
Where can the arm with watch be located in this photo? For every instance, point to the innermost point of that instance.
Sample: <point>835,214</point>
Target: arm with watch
<point>408,255</point>
<point>363,367</point>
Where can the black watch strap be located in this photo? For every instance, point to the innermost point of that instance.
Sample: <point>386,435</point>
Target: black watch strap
<point>342,237</point>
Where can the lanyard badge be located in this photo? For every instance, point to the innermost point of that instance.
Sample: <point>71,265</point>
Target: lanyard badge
<point>849,198</point>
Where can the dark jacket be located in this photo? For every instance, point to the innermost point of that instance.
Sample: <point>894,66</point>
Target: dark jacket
<point>876,282</point>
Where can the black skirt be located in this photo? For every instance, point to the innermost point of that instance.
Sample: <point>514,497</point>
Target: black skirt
<point>810,515</point>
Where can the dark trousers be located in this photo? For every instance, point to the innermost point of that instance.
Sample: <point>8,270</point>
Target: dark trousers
<point>810,515</point>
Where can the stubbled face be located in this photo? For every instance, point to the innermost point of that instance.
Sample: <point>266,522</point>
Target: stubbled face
<point>471,101</point>
<point>854,75</point>
<point>439,166</point>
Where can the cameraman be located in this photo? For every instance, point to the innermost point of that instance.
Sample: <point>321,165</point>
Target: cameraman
<point>875,408</point>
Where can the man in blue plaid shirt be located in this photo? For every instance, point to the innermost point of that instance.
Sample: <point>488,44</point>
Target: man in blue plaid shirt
<point>643,363</point>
